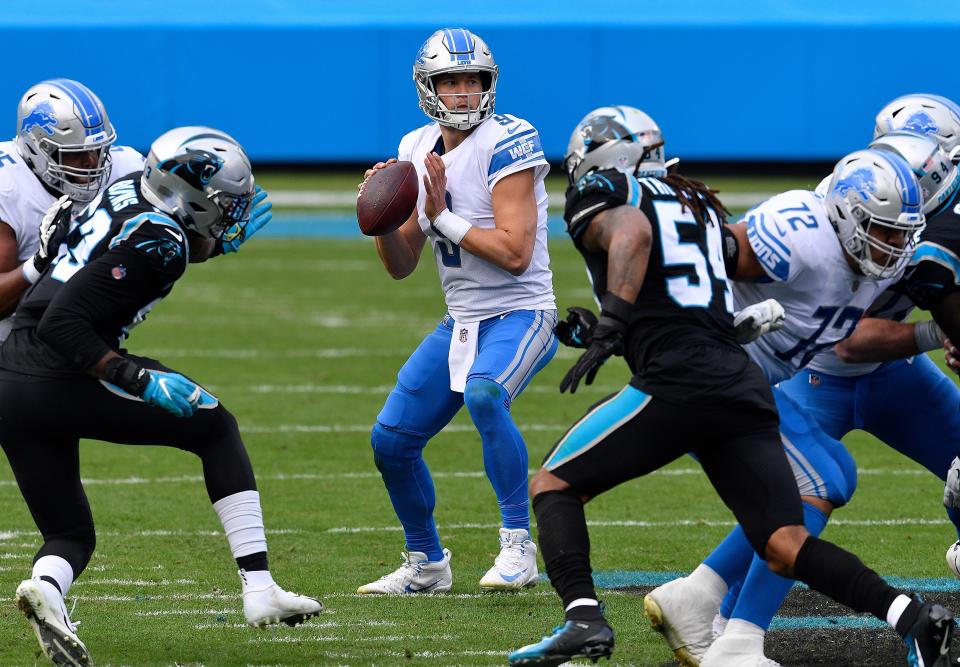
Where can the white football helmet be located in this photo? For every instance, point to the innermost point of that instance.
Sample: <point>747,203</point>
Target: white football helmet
<point>923,114</point>
<point>617,137</point>
<point>200,176</point>
<point>939,178</point>
<point>57,121</point>
<point>875,188</point>
<point>455,50</point>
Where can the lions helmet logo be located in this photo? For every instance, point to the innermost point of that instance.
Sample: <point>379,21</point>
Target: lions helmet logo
<point>861,180</point>
<point>41,116</point>
<point>599,130</point>
<point>196,167</point>
<point>921,123</point>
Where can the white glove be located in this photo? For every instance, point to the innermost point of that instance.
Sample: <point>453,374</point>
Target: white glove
<point>758,319</point>
<point>951,490</point>
<point>53,230</point>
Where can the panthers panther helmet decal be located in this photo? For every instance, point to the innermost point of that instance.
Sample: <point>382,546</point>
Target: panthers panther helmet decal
<point>617,137</point>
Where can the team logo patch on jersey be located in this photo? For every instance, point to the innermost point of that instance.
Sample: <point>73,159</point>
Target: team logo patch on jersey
<point>42,116</point>
<point>861,180</point>
<point>118,272</point>
<point>463,335</point>
<point>921,123</point>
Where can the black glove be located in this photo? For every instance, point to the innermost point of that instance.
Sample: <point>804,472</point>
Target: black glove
<point>605,341</point>
<point>53,231</point>
<point>575,331</point>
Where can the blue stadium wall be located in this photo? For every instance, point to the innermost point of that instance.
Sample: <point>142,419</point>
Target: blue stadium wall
<point>317,82</point>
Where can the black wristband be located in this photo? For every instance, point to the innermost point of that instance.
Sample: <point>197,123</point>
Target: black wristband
<point>127,375</point>
<point>613,306</point>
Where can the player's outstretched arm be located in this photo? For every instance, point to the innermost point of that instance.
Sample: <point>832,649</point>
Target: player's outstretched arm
<point>509,245</point>
<point>875,339</point>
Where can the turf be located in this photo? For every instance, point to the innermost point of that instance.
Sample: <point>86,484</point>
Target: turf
<point>301,340</point>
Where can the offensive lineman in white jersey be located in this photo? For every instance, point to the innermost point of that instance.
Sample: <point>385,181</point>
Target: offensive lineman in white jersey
<point>826,261</point>
<point>63,148</point>
<point>483,207</point>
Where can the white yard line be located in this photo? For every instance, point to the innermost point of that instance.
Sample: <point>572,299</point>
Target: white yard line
<point>366,474</point>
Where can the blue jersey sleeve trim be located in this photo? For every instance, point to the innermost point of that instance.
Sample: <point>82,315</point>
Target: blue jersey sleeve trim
<point>765,248</point>
<point>515,137</point>
<point>521,150</point>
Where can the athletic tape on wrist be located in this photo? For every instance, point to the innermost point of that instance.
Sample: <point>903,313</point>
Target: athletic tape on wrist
<point>30,272</point>
<point>928,336</point>
<point>452,225</point>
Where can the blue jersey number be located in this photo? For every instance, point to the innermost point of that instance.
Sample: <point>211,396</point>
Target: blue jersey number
<point>449,251</point>
<point>834,317</point>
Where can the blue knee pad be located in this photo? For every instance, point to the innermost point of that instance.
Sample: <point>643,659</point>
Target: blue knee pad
<point>390,444</point>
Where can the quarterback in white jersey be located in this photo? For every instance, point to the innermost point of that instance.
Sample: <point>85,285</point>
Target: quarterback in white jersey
<point>483,205</point>
<point>64,147</point>
<point>826,259</point>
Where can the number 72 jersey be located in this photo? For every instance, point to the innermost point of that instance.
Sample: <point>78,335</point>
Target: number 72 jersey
<point>807,272</point>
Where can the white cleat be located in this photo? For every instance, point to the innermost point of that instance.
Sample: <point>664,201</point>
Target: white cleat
<point>737,650</point>
<point>516,564</point>
<point>953,559</point>
<point>719,625</point>
<point>417,575</point>
<point>273,605</point>
<point>683,614</point>
<point>43,606</point>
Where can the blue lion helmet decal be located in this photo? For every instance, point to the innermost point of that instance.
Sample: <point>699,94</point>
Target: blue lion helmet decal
<point>194,166</point>
<point>600,129</point>
<point>921,123</point>
<point>41,116</point>
<point>862,180</point>
<point>421,54</point>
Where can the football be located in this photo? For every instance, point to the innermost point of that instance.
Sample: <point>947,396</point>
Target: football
<point>387,198</point>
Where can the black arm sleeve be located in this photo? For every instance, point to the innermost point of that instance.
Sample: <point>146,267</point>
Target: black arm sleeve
<point>946,313</point>
<point>89,313</point>
<point>731,250</point>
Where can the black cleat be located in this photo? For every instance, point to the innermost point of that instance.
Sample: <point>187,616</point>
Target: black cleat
<point>573,639</point>
<point>928,640</point>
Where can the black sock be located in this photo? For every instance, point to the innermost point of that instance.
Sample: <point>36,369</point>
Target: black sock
<point>839,574</point>
<point>51,580</point>
<point>253,562</point>
<point>565,547</point>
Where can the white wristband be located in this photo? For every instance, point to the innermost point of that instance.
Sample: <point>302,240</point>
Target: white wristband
<point>30,271</point>
<point>928,336</point>
<point>452,225</point>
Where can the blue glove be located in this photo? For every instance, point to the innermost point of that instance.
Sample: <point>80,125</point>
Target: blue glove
<point>172,392</point>
<point>235,236</point>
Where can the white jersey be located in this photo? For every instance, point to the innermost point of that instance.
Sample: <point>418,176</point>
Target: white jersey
<point>501,145</point>
<point>809,275</point>
<point>24,200</point>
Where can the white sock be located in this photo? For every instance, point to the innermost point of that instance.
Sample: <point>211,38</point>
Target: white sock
<point>704,577</point>
<point>256,580</point>
<point>57,569</point>
<point>582,602</point>
<point>896,610</point>
<point>738,626</point>
<point>242,521</point>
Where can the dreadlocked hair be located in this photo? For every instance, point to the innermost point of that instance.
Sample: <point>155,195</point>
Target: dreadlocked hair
<point>695,196</point>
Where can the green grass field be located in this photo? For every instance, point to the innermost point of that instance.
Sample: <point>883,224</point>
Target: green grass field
<point>302,340</point>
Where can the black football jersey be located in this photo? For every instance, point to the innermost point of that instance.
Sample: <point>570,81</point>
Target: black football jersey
<point>680,339</point>
<point>934,270</point>
<point>120,258</point>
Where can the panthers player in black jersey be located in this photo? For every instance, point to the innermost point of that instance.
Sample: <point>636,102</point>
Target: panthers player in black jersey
<point>122,255</point>
<point>653,244</point>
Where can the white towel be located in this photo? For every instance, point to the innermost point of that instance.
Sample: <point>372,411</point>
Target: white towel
<point>463,350</point>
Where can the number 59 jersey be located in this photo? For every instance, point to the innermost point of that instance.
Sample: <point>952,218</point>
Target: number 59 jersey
<point>808,273</point>
<point>501,145</point>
